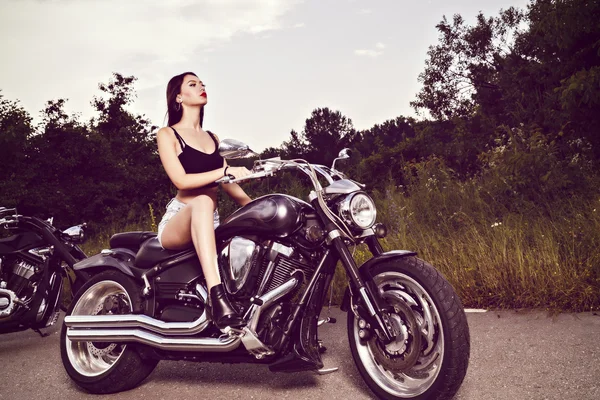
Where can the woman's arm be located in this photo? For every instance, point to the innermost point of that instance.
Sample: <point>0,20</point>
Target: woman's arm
<point>167,151</point>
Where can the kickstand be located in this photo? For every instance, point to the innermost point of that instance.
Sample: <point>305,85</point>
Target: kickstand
<point>322,348</point>
<point>42,334</point>
<point>325,371</point>
<point>329,319</point>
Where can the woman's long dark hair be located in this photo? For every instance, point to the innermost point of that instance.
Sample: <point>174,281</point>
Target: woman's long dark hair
<point>173,89</point>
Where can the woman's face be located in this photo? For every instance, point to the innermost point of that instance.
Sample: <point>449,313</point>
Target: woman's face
<point>193,92</point>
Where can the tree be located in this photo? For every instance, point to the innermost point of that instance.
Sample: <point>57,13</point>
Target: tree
<point>131,175</point>
<point>60,153</point>
<point>537,69</point>
<point>380,151</point>
<point>103,171</point>
<point>562,48</point>
<point>325,133</point>
<point>296,147</point>
<point>460,71</point>
<point>15,133</point>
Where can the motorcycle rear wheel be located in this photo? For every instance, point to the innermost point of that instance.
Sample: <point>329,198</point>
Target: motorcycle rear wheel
<point>429,359</point>
<point>104,367</point>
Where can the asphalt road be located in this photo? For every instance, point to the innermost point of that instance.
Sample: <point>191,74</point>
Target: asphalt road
<point>514,355</point>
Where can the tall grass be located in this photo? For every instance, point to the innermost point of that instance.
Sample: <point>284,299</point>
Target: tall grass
<point>545,257</point>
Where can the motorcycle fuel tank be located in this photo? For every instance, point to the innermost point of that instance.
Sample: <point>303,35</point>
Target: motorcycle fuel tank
<point>273,215</point>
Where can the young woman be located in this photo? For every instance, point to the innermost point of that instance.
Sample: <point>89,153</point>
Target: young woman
<point>191,159</point>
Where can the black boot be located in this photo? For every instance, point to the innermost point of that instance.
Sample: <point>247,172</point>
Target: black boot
<point>223,314</point>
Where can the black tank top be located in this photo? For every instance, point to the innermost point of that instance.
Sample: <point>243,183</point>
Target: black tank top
<point>195,161</point>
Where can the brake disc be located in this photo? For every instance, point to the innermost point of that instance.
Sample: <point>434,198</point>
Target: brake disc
<point>401,354</point>
<point>111,305</point>
<point>98,351</point>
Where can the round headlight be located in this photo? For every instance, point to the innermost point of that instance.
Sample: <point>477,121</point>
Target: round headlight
<point>359,210</point>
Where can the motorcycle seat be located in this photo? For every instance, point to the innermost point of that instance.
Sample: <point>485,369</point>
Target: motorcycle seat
<point>130,240</point>
<point>152,253</point>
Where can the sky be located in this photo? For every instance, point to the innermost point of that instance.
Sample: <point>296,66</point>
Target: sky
<point>267,64</point>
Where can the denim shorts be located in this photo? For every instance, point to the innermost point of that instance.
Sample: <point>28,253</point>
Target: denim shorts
<point>173,207</point>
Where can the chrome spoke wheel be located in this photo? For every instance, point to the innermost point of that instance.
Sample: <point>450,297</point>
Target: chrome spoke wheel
<point>92,359</point>
<point>408,366</point>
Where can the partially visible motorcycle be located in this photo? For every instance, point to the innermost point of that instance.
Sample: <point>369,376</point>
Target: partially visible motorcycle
<point>407,329</point>
<point>36,259</point>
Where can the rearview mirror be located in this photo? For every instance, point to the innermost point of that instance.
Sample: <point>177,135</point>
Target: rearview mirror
<point>231,148</point>
<point>342,155</point>
<point>76,233</point>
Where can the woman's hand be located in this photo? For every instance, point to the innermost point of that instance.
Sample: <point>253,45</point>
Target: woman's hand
<point>238,172</point>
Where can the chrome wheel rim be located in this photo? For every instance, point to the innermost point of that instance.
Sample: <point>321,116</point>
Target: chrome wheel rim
<point>90,358</point>
<point>397,287</point>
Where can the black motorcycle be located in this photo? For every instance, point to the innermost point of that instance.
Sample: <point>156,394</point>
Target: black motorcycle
<point>407,330</point>
<point>35,260</point>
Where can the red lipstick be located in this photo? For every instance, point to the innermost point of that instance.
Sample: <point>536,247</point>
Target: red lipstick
<point>204,95</point>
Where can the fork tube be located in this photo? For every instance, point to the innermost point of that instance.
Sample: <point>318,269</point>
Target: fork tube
<point>335,236</point>
<point>369,298</point>
<point>374,246</point>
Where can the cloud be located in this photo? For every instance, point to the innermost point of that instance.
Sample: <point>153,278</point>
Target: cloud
<point>104,34</point>
<point>175,26</point>
<point>67,43</point>
<point>371,52</point>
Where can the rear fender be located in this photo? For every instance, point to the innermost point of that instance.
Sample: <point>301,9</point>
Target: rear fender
<point>120,259</point>
<point>365,270</point>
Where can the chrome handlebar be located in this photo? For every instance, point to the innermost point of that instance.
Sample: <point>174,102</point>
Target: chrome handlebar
<point>264,168</point>
<point>8,215</point>
<point>233,179</point>
<point>261,169</point>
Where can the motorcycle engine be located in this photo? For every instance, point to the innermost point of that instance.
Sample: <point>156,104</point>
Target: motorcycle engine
<point>20,277</point>
<point>252,268</point>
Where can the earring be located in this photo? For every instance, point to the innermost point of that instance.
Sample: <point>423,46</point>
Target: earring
<point>178,107</point>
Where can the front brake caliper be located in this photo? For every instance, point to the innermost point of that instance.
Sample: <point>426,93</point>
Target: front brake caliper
<point>402,353</point>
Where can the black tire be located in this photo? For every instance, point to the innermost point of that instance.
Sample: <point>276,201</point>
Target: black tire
<point>101,367</point>
<point>442,354</point>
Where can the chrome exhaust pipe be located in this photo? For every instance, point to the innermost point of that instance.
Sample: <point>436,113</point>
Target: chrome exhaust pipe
<point>140,321</point>
<point>146,330</point>
<point>266,300</point>
<point>157,341</point>
<point>137,321</point>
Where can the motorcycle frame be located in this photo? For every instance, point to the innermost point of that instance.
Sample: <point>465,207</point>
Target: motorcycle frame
<point>302,319</point>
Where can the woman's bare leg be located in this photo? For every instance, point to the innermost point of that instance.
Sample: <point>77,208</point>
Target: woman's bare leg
<point>194,223</point>
<point>203,236</point>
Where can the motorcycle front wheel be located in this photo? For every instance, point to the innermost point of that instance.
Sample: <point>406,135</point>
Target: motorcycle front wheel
<point>429,357</point>
<point>105,367</point>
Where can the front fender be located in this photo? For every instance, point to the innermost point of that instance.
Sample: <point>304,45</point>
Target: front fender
<point>365,270</point>
<point>121,259</point>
